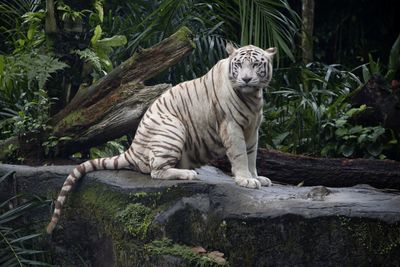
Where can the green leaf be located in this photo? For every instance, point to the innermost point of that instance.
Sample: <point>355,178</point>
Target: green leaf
<point>355,129</point>
<point>355,111</point>
<point>90,56</point>
<point>328,150</point>
<point>23,238</point>
<point>95,153</point>
<point>375,149</point>
<point>65,138</point>
<point>366,73</point>
<point>117,40</point>
<point>377,132</point>
<point>31,32</point>
<point>394,60</point>
<point>5,176</point>
<point>340,122</point>
<point>2,61</point>
<point>100,10</point>
<point>106,63</point>
<point>381,157</point>
<point>341,132</point>
<point>96,35</point>
<point>362,138</point>
<point>374,66</point>
<point>347,150</point>
<point>393,142</point>
<point>277,140</point>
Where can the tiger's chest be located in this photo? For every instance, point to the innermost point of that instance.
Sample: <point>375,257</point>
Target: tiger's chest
<point>208,142</point>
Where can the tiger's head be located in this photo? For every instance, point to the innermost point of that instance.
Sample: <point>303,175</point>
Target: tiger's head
<point>250,67</point>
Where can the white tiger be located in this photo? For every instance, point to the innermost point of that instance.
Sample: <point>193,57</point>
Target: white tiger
<point>195,121</point>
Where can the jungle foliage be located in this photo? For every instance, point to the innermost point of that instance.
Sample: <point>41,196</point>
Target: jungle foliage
<point>308,107</point>
<point>18,245</point>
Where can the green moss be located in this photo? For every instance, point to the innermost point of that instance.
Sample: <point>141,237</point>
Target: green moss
<point>127,219</point>
<point>72,119</point>
<point>100,204</point>
<point>114,215</point>
<point>167,247</point>
<point>136,219</point>
<point>184,34</point>
<point>101,201</point>
<point>151,199</point>
<point>161,199</point>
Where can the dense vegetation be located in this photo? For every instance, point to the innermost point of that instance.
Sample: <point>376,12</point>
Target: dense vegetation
<point>44,62</point>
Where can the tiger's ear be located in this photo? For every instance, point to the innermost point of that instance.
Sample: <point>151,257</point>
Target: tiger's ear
<point>230,49</point>
<point>271,51</point>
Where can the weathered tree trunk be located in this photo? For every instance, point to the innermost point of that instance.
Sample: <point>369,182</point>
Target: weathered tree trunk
<point>114,105</point>
<point>50,23</point>
<point>122,118</point>
<point>296,169</point>
<point>307,15</point>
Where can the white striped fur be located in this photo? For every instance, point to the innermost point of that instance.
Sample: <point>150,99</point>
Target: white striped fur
<point>196,121</point>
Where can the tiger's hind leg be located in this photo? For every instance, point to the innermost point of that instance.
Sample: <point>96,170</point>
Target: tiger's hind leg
<point>163,165</point>
<point>165,156</point>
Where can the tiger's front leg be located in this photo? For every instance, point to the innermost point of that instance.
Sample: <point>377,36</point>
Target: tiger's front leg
<point>234,142</point>
<point>252,156</point>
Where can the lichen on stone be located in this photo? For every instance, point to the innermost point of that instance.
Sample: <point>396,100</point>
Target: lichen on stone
<point>373,236</point>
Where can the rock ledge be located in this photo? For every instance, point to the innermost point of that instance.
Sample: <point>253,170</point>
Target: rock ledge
<point>115,216</point>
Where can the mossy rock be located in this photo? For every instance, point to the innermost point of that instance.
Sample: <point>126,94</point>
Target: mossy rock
<point>124,221</point>
<point>125,218</point>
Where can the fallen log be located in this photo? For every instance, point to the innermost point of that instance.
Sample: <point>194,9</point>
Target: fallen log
<point>122,118</point>
<point>115,103</point>
<point>335,172</point>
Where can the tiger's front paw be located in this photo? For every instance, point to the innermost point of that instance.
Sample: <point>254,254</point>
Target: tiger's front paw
<point>264,181</point>
<point>191,175</point>
<point>248,182</point>
<point>187,175</point>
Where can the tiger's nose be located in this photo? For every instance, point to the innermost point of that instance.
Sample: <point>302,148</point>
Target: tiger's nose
<point>246,80</point>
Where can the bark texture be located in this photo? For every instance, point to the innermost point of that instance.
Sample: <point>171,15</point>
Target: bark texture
<point>307,15</point>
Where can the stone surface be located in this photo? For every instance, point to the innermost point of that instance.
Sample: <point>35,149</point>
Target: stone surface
<point>278,225</point>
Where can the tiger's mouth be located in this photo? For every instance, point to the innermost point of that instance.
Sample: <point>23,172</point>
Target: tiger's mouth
<point>248,89</point>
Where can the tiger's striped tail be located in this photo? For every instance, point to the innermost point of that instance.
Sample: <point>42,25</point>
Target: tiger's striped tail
<point>113,163</point>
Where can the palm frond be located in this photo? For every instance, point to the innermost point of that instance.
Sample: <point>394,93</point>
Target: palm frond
<point>264,24</point>
<point>15,242</point>
<point>13,10</point>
